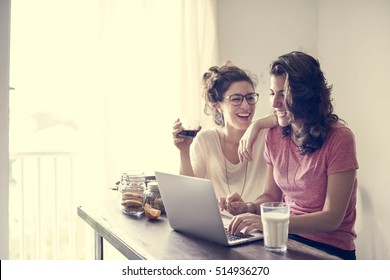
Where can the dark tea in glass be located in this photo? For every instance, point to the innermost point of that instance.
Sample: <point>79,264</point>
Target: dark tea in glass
<point>188,133</point>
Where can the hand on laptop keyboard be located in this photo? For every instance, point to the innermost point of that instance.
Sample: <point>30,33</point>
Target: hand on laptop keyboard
<point>232,236</point>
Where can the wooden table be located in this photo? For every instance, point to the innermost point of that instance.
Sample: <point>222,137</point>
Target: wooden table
<point>141,238</point>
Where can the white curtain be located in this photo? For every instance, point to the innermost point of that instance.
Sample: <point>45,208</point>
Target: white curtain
<point>153,54</point>
<point>106,79</point>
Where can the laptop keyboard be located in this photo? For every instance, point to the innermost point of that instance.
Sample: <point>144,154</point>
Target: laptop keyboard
<point>232,237</point>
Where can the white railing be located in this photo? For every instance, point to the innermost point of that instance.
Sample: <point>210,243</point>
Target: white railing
<point>43,198</point>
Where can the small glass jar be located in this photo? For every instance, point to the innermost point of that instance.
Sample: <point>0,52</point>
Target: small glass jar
<point>153,197</point>
<point>132,192</point>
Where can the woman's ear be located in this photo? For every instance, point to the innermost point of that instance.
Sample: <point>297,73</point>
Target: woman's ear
<point>218,107</point>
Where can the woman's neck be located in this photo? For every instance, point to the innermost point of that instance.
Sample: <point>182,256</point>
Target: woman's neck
<point>230,140</point>
<point>295,126</point>
<point>232,136</point>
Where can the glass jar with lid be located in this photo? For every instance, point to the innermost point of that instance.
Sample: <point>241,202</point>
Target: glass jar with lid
<point>132,192</point>
<point>153,197</point>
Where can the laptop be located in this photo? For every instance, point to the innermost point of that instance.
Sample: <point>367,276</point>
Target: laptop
<point>191,206</point>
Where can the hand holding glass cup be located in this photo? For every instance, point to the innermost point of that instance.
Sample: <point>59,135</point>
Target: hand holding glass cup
<point>190,127</point>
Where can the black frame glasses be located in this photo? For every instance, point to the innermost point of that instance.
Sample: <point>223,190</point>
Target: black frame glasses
<point>237,99</point>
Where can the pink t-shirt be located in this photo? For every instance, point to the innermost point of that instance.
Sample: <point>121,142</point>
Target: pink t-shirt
<point>303,178</point>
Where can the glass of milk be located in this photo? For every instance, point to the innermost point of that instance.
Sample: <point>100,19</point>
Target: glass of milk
<point>275,217</point>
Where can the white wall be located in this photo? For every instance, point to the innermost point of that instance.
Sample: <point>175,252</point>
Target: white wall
<point>4,115</point>
<point>352,40</point>
<point>354,46</point>
<point>254,32</point>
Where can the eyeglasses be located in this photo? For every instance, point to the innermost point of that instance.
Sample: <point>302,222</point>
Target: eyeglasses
<point>237,99</point>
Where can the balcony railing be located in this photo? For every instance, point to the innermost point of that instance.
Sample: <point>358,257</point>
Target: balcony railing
<point>43,197</point>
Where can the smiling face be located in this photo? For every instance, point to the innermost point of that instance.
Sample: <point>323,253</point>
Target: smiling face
<point>238,117</point>
<point>277,93</point>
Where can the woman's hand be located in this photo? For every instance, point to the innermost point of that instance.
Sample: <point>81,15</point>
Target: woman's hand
<point>245,147</point>
<point>247,141</point>
<point>182,143</point>
<point>245,223</point>
<point>233,204</point>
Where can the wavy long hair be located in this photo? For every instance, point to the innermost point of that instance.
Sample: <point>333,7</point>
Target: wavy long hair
<point>307,98</point>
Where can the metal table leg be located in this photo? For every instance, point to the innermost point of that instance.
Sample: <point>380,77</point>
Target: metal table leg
<point>98,246</point>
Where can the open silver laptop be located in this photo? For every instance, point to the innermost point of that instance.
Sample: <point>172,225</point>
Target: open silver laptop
<point>191,206</point>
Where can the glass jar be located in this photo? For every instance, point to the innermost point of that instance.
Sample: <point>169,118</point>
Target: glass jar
<point>132,192</point>
<point>153,197</point>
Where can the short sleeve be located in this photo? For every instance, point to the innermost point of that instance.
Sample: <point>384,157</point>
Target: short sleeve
<point>342,151</point>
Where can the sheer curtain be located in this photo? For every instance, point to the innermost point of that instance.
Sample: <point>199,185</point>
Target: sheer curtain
<point>152,57</point>
<point>105,80</point>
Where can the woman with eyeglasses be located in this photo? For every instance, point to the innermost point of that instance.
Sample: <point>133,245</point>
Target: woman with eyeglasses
<point>311,160</point>
<point>230,97</point>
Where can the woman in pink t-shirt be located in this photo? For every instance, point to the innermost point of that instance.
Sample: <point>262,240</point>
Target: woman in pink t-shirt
<point>311,160</point>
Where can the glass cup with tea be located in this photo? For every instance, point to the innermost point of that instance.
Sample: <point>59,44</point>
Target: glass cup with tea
<point>190,127</point>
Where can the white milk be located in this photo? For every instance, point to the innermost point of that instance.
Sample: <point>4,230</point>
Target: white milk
<point>275,230</point>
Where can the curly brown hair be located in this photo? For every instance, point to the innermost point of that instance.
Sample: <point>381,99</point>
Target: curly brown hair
<point>307,98</point>
<point>216,81</point>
